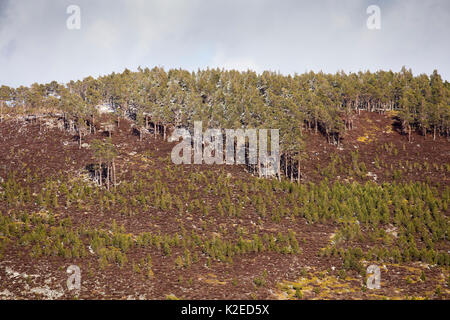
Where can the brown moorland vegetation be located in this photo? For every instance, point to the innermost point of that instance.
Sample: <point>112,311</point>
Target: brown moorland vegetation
<point>209,232</point>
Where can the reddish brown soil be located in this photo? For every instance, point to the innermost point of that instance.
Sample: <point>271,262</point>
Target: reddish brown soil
<point>49,151</point>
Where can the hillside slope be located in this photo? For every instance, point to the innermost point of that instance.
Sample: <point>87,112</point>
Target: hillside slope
<point>215,232</point>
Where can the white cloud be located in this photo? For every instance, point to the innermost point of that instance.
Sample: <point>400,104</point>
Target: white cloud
<point>288,36</point>
<point>233,61</point>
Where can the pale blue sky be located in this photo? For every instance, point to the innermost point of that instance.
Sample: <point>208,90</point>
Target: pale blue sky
<point>289,36</point>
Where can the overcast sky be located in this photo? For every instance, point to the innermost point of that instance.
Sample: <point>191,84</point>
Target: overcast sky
<point>289,36</point>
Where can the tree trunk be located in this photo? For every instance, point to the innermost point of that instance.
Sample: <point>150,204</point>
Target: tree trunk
<point>278,168</point>
<point>291,169</point>
<point>93,123</point>
<point>100,170</point>
<point>285,166</point>
<point>111,178</point>
<point>125,109</point>
<point>114,173</point>
<point>259,167</point>
<point>107,176</point>
<point>298,171</point>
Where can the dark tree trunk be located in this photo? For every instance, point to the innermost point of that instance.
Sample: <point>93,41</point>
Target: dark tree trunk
<point>278,168</point>
<point>107,177</point>
<point>100,171</point>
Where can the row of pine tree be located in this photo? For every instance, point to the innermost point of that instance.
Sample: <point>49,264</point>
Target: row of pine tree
<point>326,103</point>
